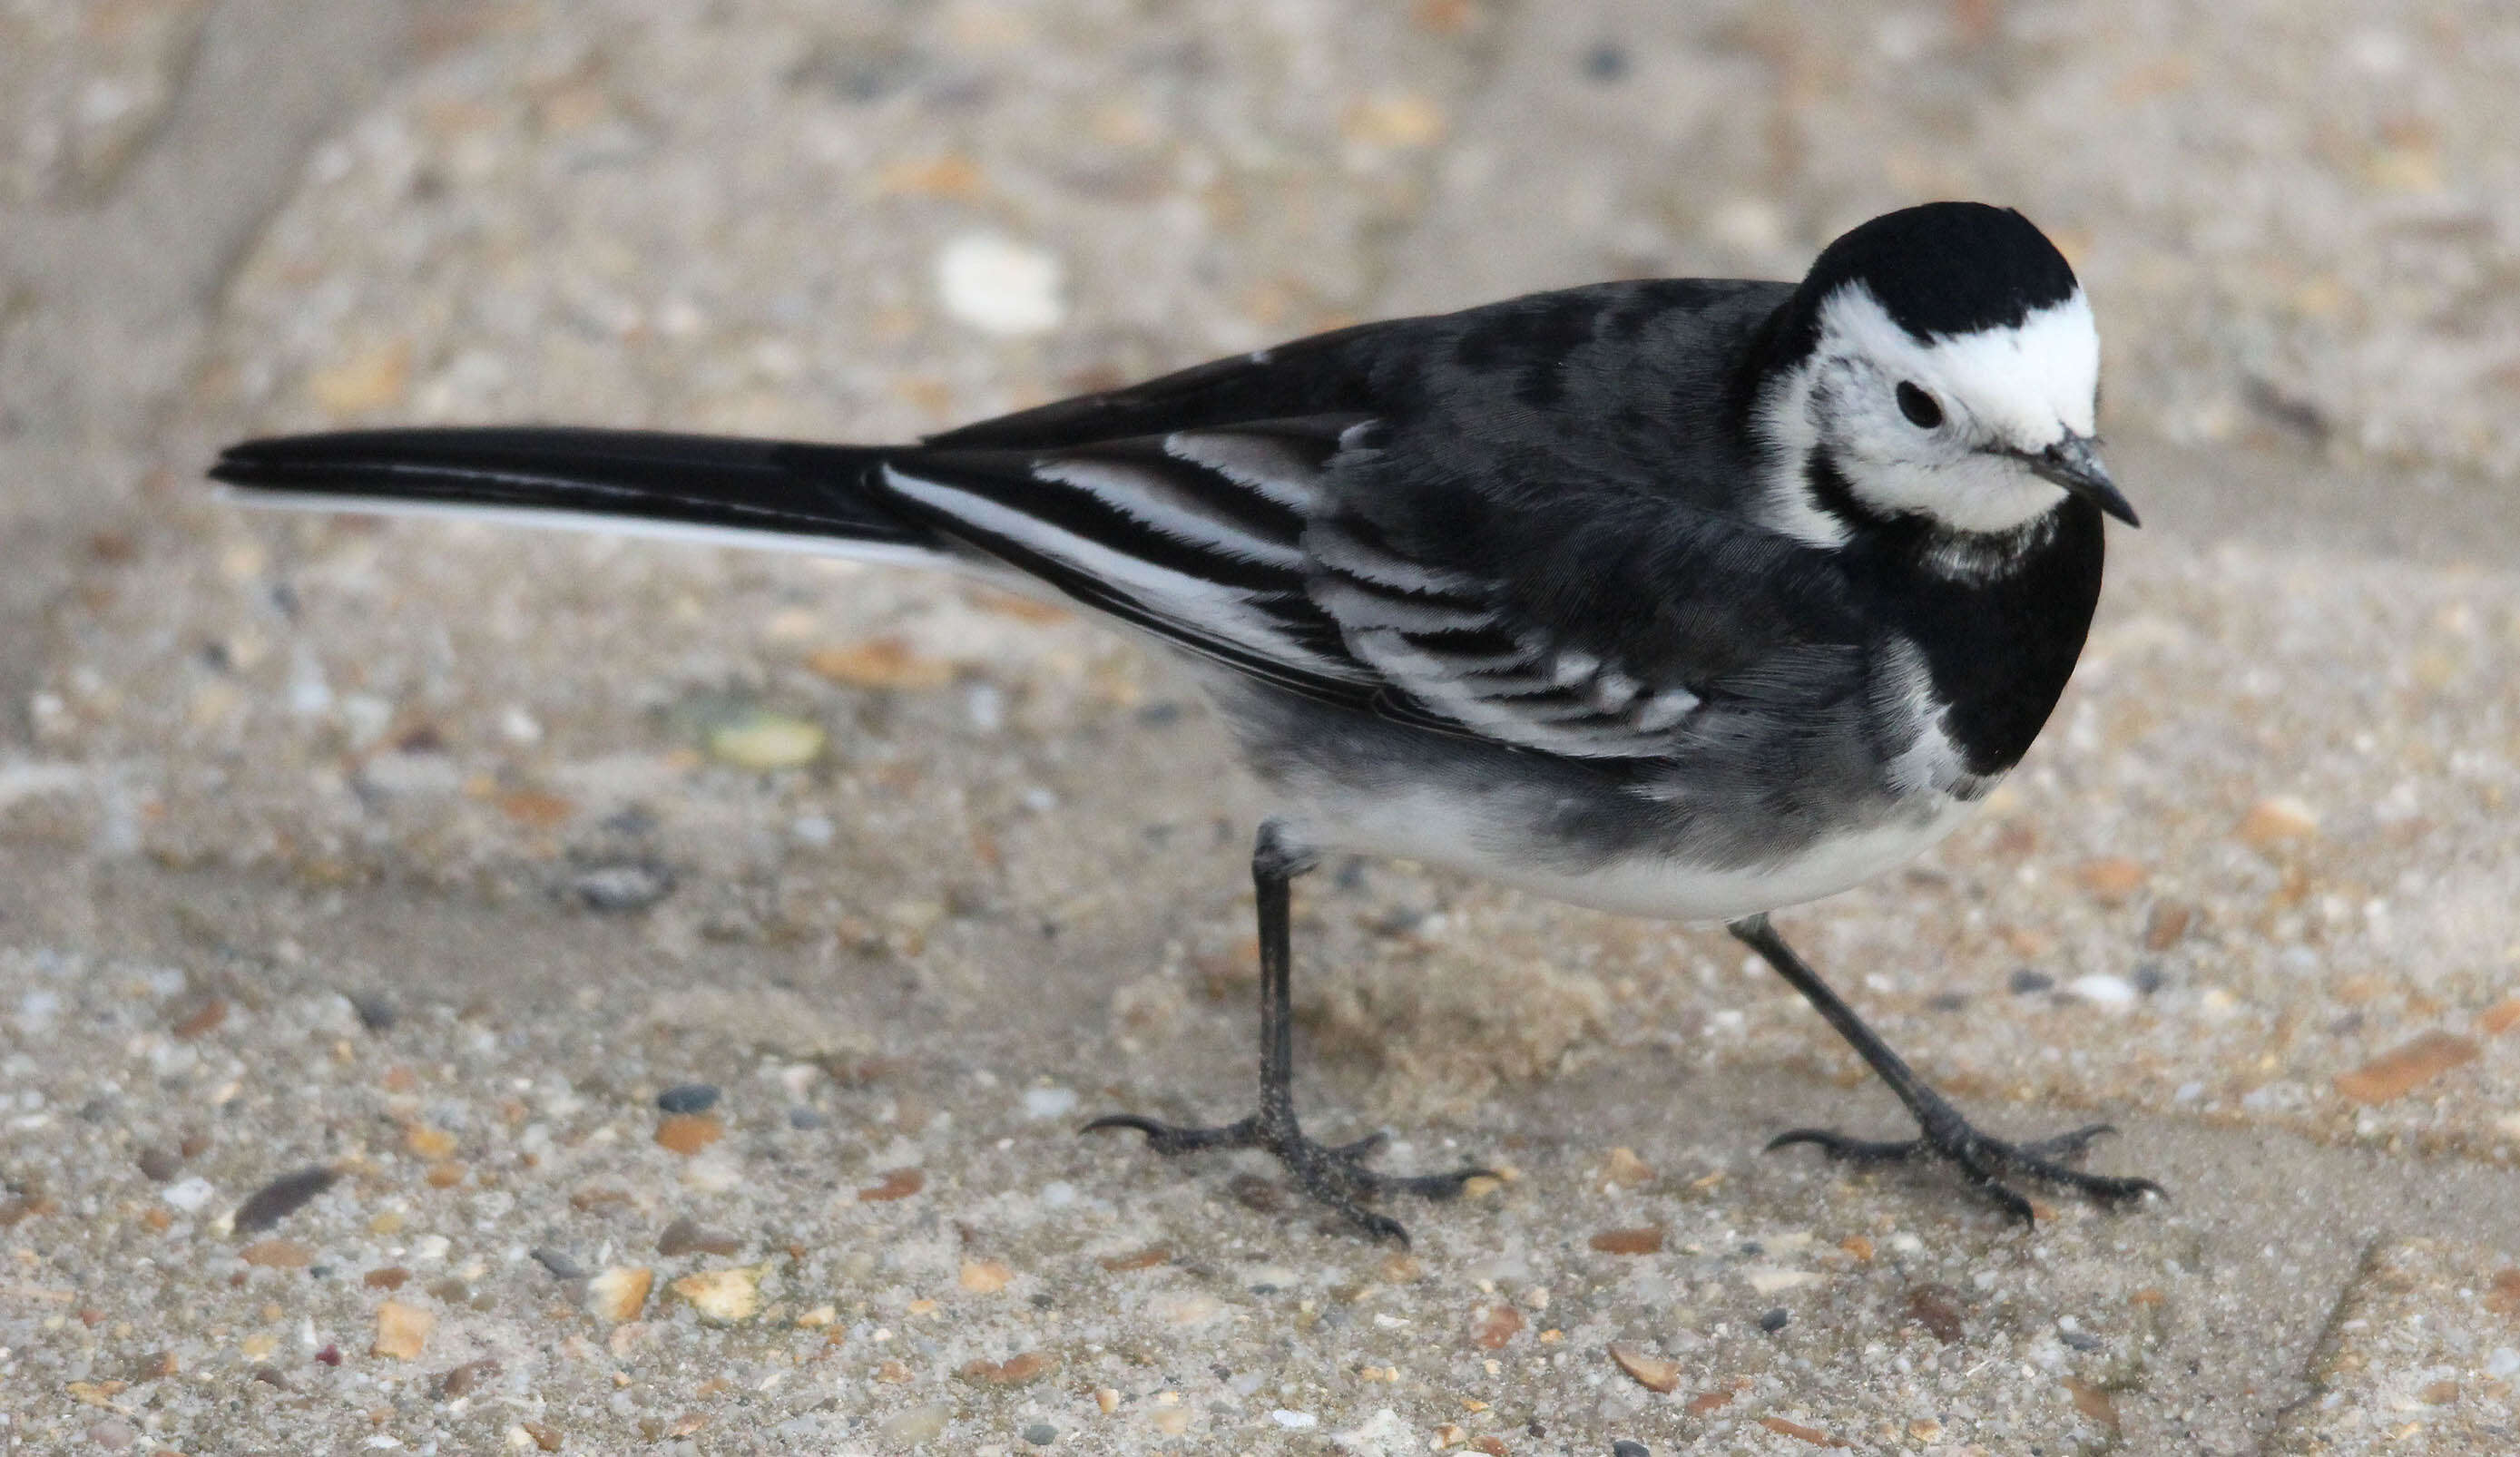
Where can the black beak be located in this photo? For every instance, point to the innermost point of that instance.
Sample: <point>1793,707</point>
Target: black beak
<point>2074,463</point>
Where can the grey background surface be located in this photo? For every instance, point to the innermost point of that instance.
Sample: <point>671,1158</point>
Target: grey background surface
<point>432,855</point>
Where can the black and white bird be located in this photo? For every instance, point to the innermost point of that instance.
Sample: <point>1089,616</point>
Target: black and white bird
<point>1689,598</point>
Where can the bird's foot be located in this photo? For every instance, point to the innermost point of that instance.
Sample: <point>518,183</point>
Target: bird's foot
<point>1985,1161</point>
<point>1335,1175</point>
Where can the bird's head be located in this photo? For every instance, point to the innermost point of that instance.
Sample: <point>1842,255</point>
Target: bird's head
<point>1938,361</point>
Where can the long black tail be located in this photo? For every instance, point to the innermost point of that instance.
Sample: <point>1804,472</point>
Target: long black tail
<point>696,484</point>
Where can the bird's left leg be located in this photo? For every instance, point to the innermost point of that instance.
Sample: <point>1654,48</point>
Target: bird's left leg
<point>1333,1173</point>
<point>1943,1133</point>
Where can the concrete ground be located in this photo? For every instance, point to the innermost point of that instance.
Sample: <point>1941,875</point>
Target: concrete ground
<point>464,991</point>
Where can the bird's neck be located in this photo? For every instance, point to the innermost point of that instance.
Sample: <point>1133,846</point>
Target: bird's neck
<point>2001,620</point>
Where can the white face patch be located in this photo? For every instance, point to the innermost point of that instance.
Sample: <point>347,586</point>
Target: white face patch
<point>1999,390</point>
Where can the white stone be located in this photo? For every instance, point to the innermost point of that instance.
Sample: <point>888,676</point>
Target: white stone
<point>999,286</point>
<point>1049,1102</point>
<point>2102,990</point>
<point>191,1194</point>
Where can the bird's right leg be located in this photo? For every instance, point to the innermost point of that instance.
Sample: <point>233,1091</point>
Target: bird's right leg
<point>1336,1175</point>
<point>1942,1131</point>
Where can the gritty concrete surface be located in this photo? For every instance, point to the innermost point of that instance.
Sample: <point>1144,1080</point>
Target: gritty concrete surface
<point>466,990</point>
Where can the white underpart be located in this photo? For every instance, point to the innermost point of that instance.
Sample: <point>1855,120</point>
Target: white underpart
<point>1203,607</point>
<point>1931,763</point>
<point>1443,827</point>
<point>2021,388</point>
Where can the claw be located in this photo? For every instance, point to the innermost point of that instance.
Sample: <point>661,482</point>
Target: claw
<point>1981,1160</point>
<point>1146,1125</point>
<point>1334,1175</point>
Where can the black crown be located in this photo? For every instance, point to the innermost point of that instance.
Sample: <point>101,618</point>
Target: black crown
<point>1946,268</point>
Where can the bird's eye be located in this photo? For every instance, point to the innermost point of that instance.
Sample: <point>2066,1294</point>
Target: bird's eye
<point>1919,407</point>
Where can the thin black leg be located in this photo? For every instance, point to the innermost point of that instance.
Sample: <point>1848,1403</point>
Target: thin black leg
<point>1943,1133</point>
<point>1333,1175</point>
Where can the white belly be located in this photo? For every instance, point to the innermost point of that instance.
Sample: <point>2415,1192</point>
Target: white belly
<point>1440,831</point>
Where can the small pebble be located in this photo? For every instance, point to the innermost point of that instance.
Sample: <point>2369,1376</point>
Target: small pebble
<point>1040,1433</point>
<point>729,1294</point>
<point>1013,1371</point>
<point>687,1133</point>
<point>1651,1372</point>
<point>402,1331</point>
<point>159,1163</point>
<point>559,1264</point>
<point>1776,1320</point>
<point>686,1237</point>
<point>805,1119</point>
<point>1049,1102</point>
<point>2102,990</point>
<point>1937,1309</point>
<point>999,286</point>
<point>1624,1168</point>
<point>1606,62</point>
<point>1294,1421</point>
<point>1626,1448</point>
<point>761,741</point>
<point>375,1014</point>
<point>460,1380</point>
<point>2026,982</point>
<point>618,1292</point>
<point>113,1436</point>
<point>1645,1240</point>
<point>916,1424</point>
<point>2275,820</point>
<point>2405,1068</point>
<point>897,1183</point>
<point>190,1195</point>
<point>2111,880</point>
<point>688,1097</point>
<point>623,887</point>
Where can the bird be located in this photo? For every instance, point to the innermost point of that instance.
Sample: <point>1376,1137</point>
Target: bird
<point>1687,598</point>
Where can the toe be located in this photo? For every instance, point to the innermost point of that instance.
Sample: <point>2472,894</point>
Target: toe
<point>1439,1187</point>
<point>2066,1147</point>
<point>1129,1121</point>
<point>1852,1150</point>
<point>1361,1150</point>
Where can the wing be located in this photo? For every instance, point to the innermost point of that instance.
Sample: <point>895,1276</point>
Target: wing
<point>1196,535</point>
<point>1623,639</point>
<point>1422,519</point>
<point>1591,631</point>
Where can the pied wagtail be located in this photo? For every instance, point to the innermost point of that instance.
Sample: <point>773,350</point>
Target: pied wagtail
<point>1682,597</point>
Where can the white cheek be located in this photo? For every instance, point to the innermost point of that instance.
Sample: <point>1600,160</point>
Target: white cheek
<point>1976,492</point>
